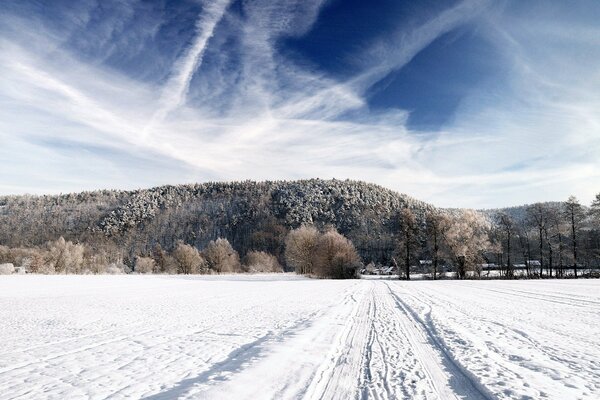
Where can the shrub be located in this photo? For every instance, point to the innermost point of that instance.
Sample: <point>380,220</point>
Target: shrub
<point>300,246</point>
<point>221,257</point>
<point>117,268</point>
<point>65,257</point>
<point>144,265</point>
<point>260,261</point>
<point>335,257</point>
<point>7,269</point>
<point>188,259</point>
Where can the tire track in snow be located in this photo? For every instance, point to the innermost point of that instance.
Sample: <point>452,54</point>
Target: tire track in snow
<point>248,373</point>
<point>234,362</point>
<point>431,351</point>
<point>392,369</point>
<point>507,351</point>
<point>544,298</point>
<point>338,376</point>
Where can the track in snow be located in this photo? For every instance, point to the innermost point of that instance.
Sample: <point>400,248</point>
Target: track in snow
<point>267,337</point>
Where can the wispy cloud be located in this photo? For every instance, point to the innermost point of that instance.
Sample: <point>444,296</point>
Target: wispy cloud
<point>175,91</point>
<point>234,107</point>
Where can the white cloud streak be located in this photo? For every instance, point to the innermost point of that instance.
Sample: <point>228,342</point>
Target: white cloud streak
<point>536,139</point>
<point>175,91</point>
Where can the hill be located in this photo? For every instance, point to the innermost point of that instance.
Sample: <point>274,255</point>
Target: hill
<point>251,215</point>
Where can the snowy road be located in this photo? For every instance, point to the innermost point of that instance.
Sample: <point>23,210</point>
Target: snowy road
<point>284,337</point>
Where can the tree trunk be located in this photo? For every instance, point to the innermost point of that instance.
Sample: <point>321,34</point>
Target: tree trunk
<point>528,257</point>
<point>509,272</point>
<point>397,267</point>
<point>435,255</point>
<point>541,251</point>
<point>560,255</point>
<point>407,259</point>
<point>574,243</point>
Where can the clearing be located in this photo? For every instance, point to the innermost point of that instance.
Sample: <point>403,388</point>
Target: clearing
<point>286,337</point>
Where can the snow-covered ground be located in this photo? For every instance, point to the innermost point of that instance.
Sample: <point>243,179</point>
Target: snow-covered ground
<point>284,337</point>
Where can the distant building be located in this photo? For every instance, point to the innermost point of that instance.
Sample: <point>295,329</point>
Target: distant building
<point>388,270</point>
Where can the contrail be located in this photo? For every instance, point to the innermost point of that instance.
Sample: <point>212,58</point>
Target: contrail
<point>175,90</point>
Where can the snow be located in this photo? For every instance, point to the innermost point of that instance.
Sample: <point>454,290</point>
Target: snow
<point>286,337</point>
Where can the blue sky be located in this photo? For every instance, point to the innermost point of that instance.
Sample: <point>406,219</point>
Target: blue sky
<point>470,103</point>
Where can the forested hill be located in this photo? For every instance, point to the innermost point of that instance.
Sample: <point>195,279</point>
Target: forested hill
<point>251,215</point>
<point>519,214</point>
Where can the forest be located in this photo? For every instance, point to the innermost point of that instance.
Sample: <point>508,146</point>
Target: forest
<point>327,228</point>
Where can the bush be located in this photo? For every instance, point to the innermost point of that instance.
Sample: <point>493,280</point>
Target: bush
<point>260,261</point>
<point>5,254</point>
<point>7,269</point>
<point>144,265</point>
<point>221,257</point>
<point>188,259</point>
<point>65,257</point>
<point>165,263</point>
<point>117,269</point>
<point>300,246</point>
<point>335,257</point>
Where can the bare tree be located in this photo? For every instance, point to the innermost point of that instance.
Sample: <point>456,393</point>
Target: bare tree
<point>466,241</point>
<point>260,261</point>
<point>437,225</point>
<point>575,215</point>
<point>144,265</point>
<point>189,260</point>
<point>537,217</point>
<point>335,256</point>
<point>507,226</point>
<point>300,245</point>
<point>408,238</point>
<point>555,232</point>
<point>221,257</point>
<point>525,245</point>
<point>65,256</point>
<point>595,210</point>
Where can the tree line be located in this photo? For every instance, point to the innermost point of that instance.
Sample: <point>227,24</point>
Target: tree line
<point>315,227</point>
<point>539,240</point>
<point>307,251</point>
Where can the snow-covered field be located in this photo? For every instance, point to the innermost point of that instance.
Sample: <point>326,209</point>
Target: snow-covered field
<point>284,337</point>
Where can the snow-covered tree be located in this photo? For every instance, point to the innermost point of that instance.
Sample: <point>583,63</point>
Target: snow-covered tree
<point>466,240</point>
<point>189,260</point>
<point>300,245</point>
<point>335,257</point>
<point>575,215</point>
<point>144,265</point>
<point>221,257</point>
<point>260,261</point>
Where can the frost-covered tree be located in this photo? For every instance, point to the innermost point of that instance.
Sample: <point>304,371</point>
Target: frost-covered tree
<point>300,245</point>
<point>335,257</point>
<point>595,211</point>
<point>221,257</point>
<point>6,268</point>
<point>260,261</point>
<point>408,243</point>
<point>537,215</point>
<point>65,257</point>
<point>507,227</point>
<point>467,240</point>
<point>437,223</point>
<point>575,214</point>
<point>165,263</point>
<point>189,260</point>
<point>144,265</point>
